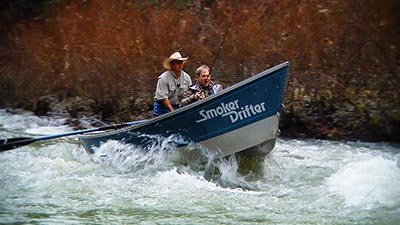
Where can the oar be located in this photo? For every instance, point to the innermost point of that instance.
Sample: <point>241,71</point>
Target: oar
<point>12,143</point>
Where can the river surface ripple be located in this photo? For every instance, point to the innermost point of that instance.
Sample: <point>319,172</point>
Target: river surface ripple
<point>303,182</point>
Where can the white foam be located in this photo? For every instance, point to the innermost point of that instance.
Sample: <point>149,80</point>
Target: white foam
<point>181,180</point>
<point>368,184</point>
<point>127,157</point>
<point>48,130</point>
<point>23,120</point>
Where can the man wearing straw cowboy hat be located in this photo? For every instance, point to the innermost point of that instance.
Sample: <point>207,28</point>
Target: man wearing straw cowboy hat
<point>171,85</point>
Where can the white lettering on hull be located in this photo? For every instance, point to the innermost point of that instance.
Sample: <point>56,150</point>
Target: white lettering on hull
<point>233,111</point>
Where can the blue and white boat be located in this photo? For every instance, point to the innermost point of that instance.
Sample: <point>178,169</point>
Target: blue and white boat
<point>237,119</point>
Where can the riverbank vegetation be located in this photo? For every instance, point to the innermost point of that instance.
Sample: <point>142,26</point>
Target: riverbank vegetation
<point>102,58</point>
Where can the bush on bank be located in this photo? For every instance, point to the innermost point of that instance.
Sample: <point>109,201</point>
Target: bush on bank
<point>344,56</point>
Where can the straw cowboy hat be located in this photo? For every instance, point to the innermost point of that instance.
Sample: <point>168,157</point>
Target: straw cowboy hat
<point>174,56</point>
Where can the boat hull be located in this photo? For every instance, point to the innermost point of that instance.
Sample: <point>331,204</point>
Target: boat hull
<point>234,120</point>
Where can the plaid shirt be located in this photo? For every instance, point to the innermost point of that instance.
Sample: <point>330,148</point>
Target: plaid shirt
<point>188,96</point>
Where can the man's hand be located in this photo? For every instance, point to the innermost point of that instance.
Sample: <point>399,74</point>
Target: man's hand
<point>199,95</point>
<point>167,104</point>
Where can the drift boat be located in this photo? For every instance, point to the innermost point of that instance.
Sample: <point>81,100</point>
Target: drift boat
<point>235,120</point>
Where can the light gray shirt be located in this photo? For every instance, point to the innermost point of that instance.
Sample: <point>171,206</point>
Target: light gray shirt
<point>171,87</point>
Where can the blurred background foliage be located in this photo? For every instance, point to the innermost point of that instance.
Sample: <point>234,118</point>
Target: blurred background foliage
<point>344,55</point>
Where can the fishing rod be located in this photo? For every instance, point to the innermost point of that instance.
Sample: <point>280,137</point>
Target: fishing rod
<point>226,35</point>
<point>12,143</point>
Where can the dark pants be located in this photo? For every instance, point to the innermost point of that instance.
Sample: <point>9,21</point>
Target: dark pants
<point>159,108</point>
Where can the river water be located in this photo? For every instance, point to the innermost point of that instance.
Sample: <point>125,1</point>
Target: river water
<point>302,182</point>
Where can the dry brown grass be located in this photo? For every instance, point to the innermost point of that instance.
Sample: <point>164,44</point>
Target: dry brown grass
<point>344,54</point>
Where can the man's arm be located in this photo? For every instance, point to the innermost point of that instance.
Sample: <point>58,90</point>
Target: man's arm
<point>188,97</point>
<point>167,104</point>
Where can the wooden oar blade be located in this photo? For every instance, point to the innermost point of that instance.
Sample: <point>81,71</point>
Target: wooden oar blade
<point>12,143</point>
